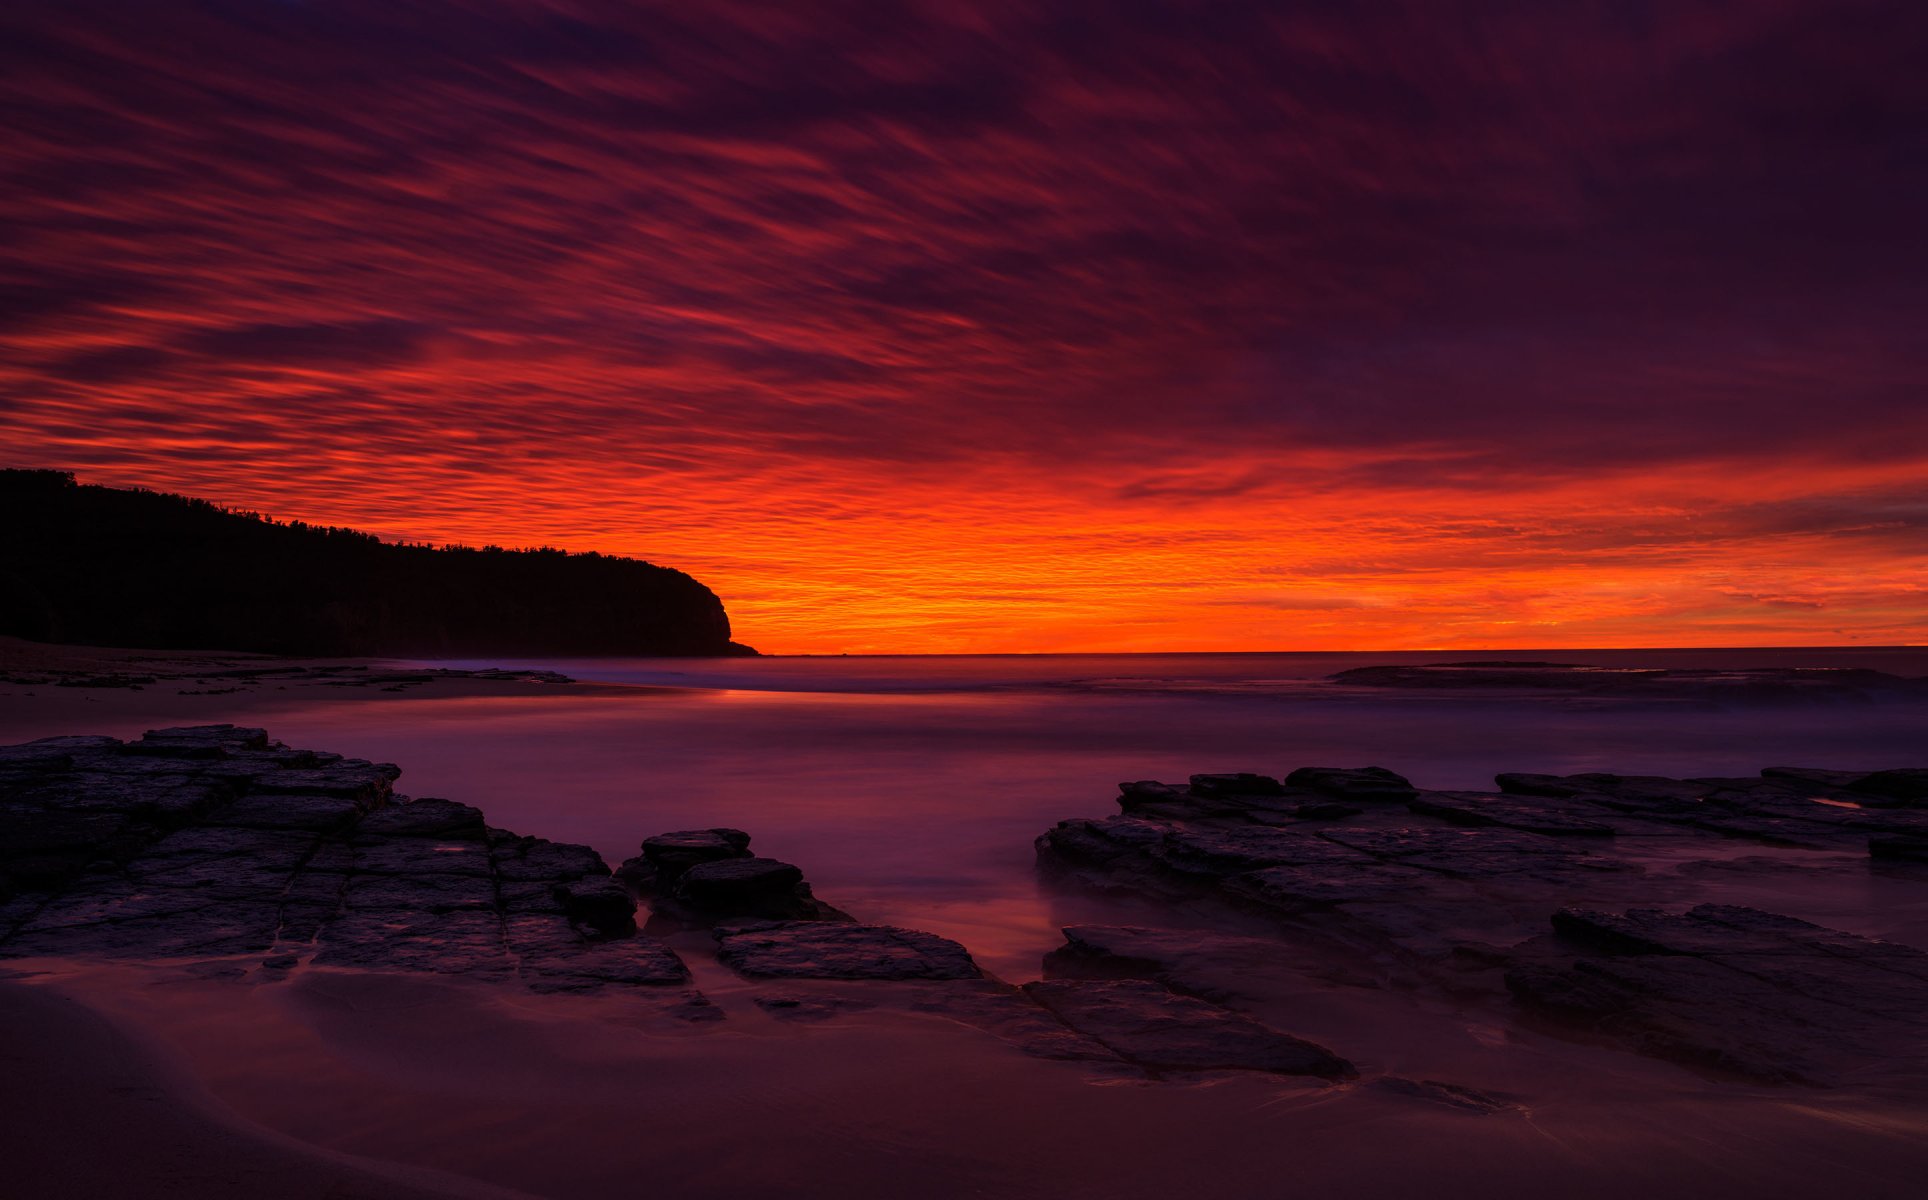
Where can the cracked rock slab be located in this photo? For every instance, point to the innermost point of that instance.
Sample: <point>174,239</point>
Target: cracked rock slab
<point>1733,989</point>
<point>835,950</point>
<point>1153,1027</point>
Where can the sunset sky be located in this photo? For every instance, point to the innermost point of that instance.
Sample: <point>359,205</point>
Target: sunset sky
<point>938,327</point>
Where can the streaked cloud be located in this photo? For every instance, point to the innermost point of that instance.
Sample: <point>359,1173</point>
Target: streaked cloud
<point>933,326</point>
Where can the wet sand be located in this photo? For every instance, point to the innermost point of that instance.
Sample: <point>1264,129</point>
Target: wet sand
<point>580,1097</point>
<point>94,1108</point>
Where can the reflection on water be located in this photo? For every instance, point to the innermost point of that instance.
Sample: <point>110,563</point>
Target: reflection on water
<point>910,789</point>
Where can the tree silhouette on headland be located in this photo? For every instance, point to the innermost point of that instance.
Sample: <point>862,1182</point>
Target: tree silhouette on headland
<point>105,566</point>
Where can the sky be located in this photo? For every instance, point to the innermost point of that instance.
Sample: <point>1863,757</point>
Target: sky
<point>985,327</point>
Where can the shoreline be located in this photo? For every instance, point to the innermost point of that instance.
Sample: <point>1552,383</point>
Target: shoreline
<point>56,687</point>
<point>855,1086</point>
<point>80,1082</point>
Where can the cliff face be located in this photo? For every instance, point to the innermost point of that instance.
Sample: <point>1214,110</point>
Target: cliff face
<point>103,566</point>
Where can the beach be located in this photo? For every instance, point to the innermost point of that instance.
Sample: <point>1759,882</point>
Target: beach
<point>909,792</point>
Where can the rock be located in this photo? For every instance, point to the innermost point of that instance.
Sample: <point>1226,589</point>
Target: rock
<point>1518,783</point>
<point>1358,783</point>
<point>666,856</point>
<point>66,742</point>
<point>317,814</point>
<point>832,950</point>
<point>1149,798</point>
<point>198,741</point>
<point>529,859</point>
<point>1697,686</point>
<point>1146,1024</point>
<point>674,853</point>
<point>422,856</point>
<point>600,903</point>
<point>170,800</point>
<point>111,897</point>
<point>40,848</point>
<point>1733,989</point>
<point>367,783</point>
<point>198,842</point>
<point>1495,673</point>
<point>1236,784</point>
<point>554,958</point>
<point>1814,777</point>
<point>1906,788</point>
<point>454,943</point>
<point>224,863</point>
<point>35,758</point>
<point>1291,890</point>
<point>1902,848</point>
<point>420,893</point>
<point>1486,853</point>
<point>734,884</point>
<point>1223,968</point>
<point>1087,842</point>
<point>1480,808</point>
<point>1149,793</point>
<point>637,875</point>
<point>229,927</point>
<point>1231,850</point>
<point>1326,810</point>
<point>533,897</point>
<point>427,817</point>
<point>1651,795</point>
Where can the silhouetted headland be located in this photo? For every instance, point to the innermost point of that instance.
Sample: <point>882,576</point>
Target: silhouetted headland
<point>106,566</point>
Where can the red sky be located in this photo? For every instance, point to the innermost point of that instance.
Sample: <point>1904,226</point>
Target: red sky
<point>1012,327</point>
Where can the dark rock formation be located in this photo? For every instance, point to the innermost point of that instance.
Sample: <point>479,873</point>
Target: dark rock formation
<point>838,950</point>
<point>215,841</point>
<point>1428,893</point>
<point>694,878</point>
<point>100,566</point>
<point>737,884</point>
<point>1354,783</point>
<point>1764,685</point>
<point>1163,1031</point>
<point>1782,806</point>
<point>1480,808</point>
<point>1732,989</point>
<point>1238,784</point>
<point>1380,876</point>
<point>671,854</point>
<point>1902,848</point>
<point>204,670</point>
<point>1447,894</point>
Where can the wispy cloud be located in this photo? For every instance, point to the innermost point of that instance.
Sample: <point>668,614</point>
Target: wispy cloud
<point>1007,326</point>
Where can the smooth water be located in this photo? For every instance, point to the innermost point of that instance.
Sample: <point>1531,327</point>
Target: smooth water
<point>910,789</point>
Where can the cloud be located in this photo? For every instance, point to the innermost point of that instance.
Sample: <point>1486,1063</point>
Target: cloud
<point>364,345</point>
<point>1123,306</point>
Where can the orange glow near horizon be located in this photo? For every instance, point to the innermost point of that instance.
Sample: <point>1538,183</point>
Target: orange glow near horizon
<point>998,570</point>
<point>990,329</point>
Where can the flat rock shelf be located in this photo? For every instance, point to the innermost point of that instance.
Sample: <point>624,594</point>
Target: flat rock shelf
<point>1538,900</point>
<point>1570,907</point>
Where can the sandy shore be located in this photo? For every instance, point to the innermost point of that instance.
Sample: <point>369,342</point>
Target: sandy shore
<point>370,1085</point>
<point>89,1110</point>
<point>49,688</point>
